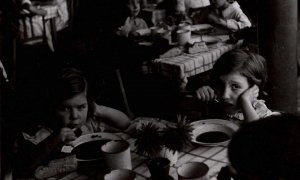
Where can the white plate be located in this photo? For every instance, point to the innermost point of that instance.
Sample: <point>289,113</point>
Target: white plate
<point>143,32</point>
<point>198,27</point>
<point>205,38</point>
<point>88,138</point>
<point>213,125</point>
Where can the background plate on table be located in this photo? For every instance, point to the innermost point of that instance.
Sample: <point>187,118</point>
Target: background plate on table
<point>101,136</point>
<point>143,32</point>
<point>205,38</point>
<point>213,132</point>
<point>199,27</point>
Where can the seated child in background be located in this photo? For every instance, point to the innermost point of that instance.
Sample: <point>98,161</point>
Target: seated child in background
<point>132,22</point>
<point>265,149</point>
<point>237,79</point>
<point>228,15</point>
<point>71,113</point>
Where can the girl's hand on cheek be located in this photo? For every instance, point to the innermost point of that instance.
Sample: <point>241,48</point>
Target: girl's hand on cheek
<point>67,135</point>
<point>250,94</point>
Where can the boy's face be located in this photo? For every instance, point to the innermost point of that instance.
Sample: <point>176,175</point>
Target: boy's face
<point>134,7</point>
<point>219,4</point>
<point>232,86</point>
<point>73,112</point>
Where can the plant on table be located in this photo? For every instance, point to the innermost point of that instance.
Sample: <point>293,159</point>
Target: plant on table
<point>151,138</point>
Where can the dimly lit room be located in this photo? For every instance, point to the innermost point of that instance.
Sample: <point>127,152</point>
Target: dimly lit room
<point>149,89</point>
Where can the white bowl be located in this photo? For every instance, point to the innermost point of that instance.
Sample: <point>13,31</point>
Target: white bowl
<point>213,132</point>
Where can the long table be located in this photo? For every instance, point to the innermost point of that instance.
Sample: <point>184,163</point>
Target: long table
<point>215,157</point>
<point>180,68</point>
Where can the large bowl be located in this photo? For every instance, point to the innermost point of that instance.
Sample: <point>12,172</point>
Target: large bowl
<point>213,132</point>
<point>87,149</point>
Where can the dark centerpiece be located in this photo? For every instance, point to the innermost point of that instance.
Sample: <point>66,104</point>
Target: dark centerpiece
<point>157,140</point>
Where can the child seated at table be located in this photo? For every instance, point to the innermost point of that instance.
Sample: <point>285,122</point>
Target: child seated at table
<point>228,14</point>
<point>71,113</point>
<point>132,22</point>
<point>236,81</point>
<point>265,149</point>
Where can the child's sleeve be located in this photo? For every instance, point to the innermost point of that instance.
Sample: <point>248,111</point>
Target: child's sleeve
<point>240,21</point>
<point>261,109</point>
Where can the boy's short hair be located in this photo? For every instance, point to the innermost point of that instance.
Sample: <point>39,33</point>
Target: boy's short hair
<point>268,148</point>
<point>251,65</point>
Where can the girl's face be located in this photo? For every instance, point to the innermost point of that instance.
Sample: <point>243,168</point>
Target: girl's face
<point>73,112</point>
<point>219,4</point>
<point>232,86</point>
<point>134,7</point>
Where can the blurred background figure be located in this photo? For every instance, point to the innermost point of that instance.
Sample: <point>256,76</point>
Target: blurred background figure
<point>265,149</point>
<point>133,22</point>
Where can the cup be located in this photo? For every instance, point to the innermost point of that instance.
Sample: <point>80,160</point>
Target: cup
<point>116,155</point>
<point>159,168</point>
<point>120,174</point>
<point>193,171</point>
<point>183,36</point>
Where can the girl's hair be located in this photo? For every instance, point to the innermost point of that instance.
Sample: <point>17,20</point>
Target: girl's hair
<point>268,148</point>
<point>67,83</point>
<point>248,64</point>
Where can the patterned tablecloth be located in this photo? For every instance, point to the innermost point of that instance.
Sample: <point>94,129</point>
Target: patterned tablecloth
<point>180,68</point>
<point>215,157</point>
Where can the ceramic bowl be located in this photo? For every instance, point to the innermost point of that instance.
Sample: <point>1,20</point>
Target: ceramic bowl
<point>213,132</point>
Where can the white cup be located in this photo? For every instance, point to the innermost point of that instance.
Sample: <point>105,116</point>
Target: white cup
<point>120,174</point>
<point>183,36</point>
<point>116,155</point>
<point>193,171</point>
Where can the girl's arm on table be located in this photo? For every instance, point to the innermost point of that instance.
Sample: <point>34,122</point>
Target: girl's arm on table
<point>240,22</point>
<point>112,116</point>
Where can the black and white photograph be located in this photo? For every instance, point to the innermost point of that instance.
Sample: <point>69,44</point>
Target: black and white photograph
<point>149,90</point>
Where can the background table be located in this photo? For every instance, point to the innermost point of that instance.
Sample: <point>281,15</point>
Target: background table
<point>180,68</point>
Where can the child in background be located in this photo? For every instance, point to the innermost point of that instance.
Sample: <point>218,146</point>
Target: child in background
<point>228,14</point>
<point>72,113</point>
<point>265,149</point>
<point>237,79</point>
<point>132,22</point>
